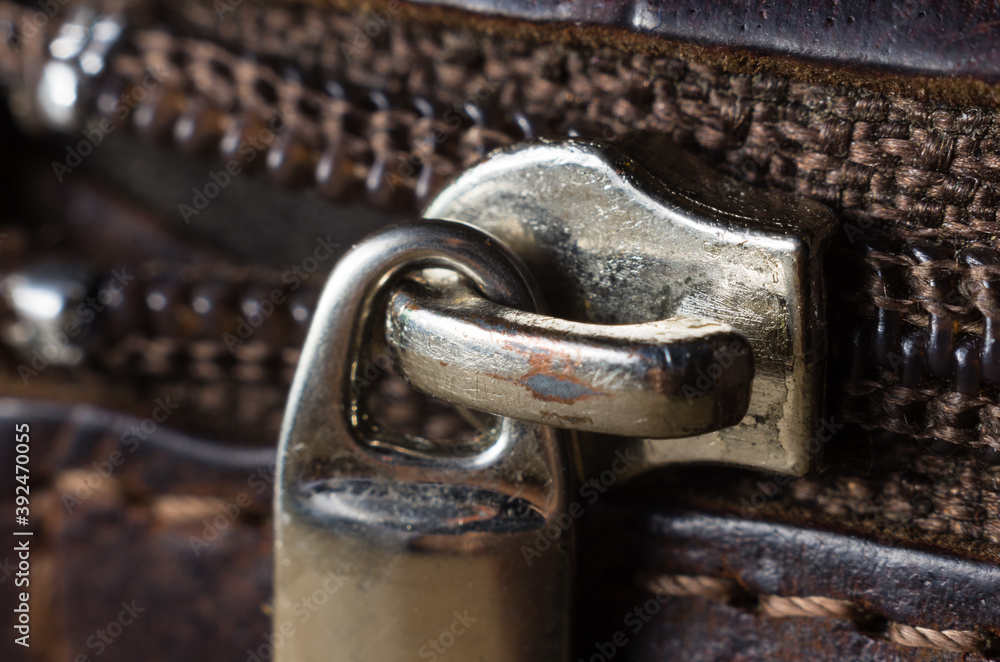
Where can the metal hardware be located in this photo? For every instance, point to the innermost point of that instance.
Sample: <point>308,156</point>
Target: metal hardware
<point>637,233</point>
<point>46,301</point>
<point>390,540</point>
<point>637,380</point>
<point>694,284</point>
<point>79,53</point>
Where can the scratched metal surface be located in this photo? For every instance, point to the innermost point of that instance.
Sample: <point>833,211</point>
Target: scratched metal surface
<point>644,380</point>
<point>615,242</point>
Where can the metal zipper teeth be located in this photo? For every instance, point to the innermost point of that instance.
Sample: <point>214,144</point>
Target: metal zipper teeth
<point>925,362</point>
<point>214,323</point>
<point>394,154</point>
<point>388,123</point>
<point>204,323</point>
<point>352,139</point>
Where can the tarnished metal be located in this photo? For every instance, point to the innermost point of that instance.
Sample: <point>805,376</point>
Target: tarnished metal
<point>677,377</point>
<point>403,548</point>
<point>677,290</point>
<point>639,232</point>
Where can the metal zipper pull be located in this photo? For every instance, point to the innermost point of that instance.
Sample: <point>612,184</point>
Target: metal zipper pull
<point>636,233</point>
<point>421,540</point>
<point>636,380</point>
<point>709,302</point>
<point>402,548</point>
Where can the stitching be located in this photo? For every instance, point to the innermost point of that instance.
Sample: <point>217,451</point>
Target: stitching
<point>777,606</point>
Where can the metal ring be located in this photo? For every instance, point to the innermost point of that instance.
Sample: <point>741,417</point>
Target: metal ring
<point>410,539</point>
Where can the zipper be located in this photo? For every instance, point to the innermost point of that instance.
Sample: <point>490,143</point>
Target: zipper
<point>205,323</point>
<point>388,117</point>
<point>921,363</point>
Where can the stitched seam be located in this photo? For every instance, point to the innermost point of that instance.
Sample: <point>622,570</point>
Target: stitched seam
<point>778,607</point>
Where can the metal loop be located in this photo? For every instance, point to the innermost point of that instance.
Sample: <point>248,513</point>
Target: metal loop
<point>677,377</point>
<point>408,538</point>
<point>329,365</point>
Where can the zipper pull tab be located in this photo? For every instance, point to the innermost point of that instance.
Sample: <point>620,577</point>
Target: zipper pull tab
<point>391,548</point>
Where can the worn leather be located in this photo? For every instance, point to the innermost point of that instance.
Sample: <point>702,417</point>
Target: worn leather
<point>701,630</point>
<point>791,592</point>
<point>922,37</point>
<point>926,588</point>
<point>173,526</point>
<point>178,526</point>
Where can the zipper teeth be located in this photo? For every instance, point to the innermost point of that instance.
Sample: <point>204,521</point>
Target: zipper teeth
<point>211,323</point>
<point>393,153</point>
<point>358,124</point>
<point>386,119</point>
<point>205,322</point>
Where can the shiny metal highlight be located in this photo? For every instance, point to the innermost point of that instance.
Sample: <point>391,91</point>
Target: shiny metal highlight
<point>640,231</point>
<point>677,377</point>
<point>403,540</point>
<point>78,53</point>
<point>47,326</point>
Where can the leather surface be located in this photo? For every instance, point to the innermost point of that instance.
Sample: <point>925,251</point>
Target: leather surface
<point>164,534</point>
<point>179,527</point>
<point>908,585</point>
<point>921,37</point>
<point>699,630</point>
<point>791,592</point>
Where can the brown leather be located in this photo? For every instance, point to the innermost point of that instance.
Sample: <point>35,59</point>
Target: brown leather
<point>924,38</point>
<point>179,526</point>
<point>128,510</point>
<point>174,527</point>
<point>695,629</point>
<point>722,587</point>
<point>918,587</point>
<point>112,555</point>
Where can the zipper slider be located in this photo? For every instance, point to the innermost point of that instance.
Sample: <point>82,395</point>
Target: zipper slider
<point>691,321</point>
<point>635,233</point>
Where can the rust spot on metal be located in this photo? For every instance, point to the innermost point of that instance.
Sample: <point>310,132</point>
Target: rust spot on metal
<point>545,381</point>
